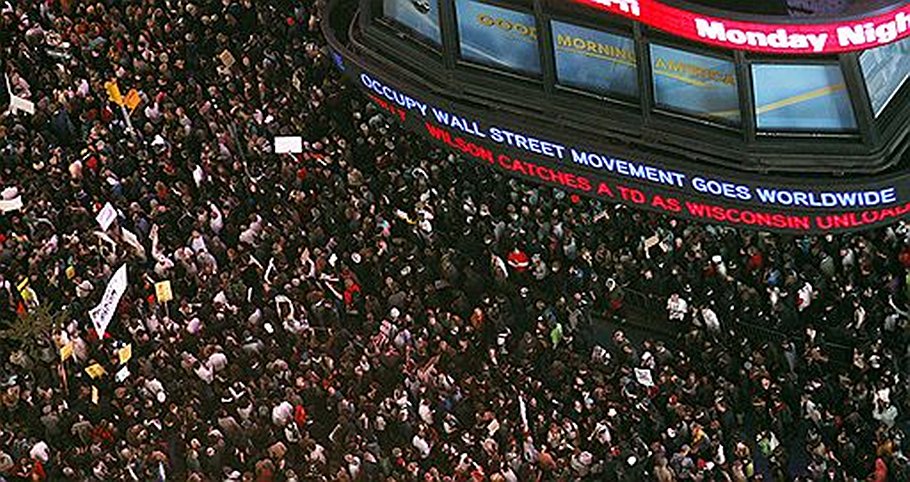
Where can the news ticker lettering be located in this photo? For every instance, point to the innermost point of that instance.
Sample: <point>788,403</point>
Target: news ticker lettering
<point>697,195</point>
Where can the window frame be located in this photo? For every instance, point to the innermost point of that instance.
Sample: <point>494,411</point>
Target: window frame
<point>826,61</point>
<point>471,65</point>
<point>662,40</point>
<point>613,97</point>
<point>393,27</point>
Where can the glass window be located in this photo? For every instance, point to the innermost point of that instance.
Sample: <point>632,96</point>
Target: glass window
<point>885,69</point>
<point>594,60</point>
<point>801,97</point>
<point>695,84</point>
<point>497,36</point>
<point>421,16</point>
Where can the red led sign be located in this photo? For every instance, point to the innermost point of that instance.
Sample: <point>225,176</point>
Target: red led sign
<point>777,38</point>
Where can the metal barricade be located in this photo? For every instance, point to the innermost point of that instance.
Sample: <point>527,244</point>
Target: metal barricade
<point>647,312</point>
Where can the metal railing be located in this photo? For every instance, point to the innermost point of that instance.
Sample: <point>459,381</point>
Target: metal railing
<point>647,311</point>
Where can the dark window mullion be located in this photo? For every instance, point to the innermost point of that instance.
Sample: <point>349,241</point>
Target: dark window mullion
<point>859,97</point>
<point>645,83</point>
<point>746,97</point>
<point>369,9</point>
<point>545,48</point>
<point>449,27</point>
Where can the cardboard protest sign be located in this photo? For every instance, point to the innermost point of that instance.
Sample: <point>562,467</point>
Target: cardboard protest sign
<point>227,58</point>
<point>163,291</point>
<point>66,351</point>
<point>101,315</point>
<point>27,293</point>
<point>125,353</point>
<point>113,92</point>
<point>651,242</point>
<point>22,285</point>
<point>95,370</point>
<point>132,99</point>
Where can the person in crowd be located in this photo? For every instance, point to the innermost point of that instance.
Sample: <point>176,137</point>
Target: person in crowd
<point>378,309</point>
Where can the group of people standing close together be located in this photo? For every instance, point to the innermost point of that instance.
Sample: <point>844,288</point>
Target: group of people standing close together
<point>377,309</point>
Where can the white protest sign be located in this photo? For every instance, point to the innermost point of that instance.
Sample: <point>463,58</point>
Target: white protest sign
<point>101,315</point>
<point>7,205</point>
<point>198,175</point>
<point>17,104</point>
<point>106,216</point>
<point>292,145</point>
<point>132,240</point>
<point>493,427</point>
<point>643,375</point>
<point>9,192</point>
<point>122,374</point>
<point>523,411</point>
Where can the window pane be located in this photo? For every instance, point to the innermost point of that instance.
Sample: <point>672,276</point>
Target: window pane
<point>421,16</point>
<point>497,37</point>
<point>695,84</point>
<point>886,69</point>
<point>801,97</point>
<point>594,60</point>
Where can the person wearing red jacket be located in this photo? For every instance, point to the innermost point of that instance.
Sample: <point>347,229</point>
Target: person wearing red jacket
<point>518,260</point>
<point>300,416</point>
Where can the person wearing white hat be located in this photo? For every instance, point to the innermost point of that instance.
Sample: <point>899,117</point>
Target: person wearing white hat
<point>677,307</point>
<point>84,288</point>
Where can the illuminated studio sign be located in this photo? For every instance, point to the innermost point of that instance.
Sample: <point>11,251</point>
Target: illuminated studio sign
<point>778,38</point>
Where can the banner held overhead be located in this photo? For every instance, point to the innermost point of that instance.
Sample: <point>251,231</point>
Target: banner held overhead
<point>102,314</point>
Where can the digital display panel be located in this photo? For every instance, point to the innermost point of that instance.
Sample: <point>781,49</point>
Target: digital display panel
<point>420,16</point>
<point>695,84</point>
<point>497,37</point>
<point>539,153</point>
<point>597,61</point>
<point>801,98</point>
<point>789,36</point>
<point>885,69</point>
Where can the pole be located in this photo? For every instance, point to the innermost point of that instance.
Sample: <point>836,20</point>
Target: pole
<point>66,388</point>
<point>129,123</point>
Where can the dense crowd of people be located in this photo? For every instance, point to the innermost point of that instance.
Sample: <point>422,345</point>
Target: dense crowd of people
<point>377,309</point>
